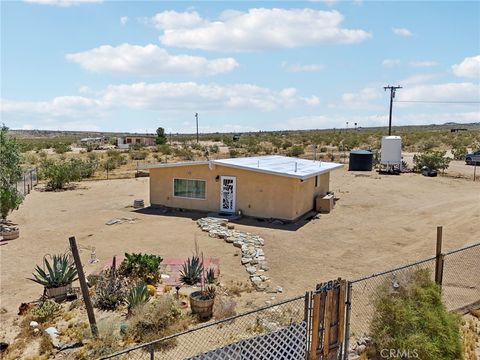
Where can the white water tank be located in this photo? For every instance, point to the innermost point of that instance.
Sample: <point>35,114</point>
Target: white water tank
<point>391,153</point>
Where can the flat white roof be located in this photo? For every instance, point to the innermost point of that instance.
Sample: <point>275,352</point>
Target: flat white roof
<point>271,164</point>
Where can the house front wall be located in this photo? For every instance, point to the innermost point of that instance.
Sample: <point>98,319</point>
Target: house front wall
<point>257,194</point>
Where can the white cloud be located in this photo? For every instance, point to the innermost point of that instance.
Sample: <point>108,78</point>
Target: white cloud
<point>402,32</point>
<point>440,92</point>
<point>148,60</point>
<point>418,79</point>
<point>124,20</point>
<point>389,63</point>
<point>159,97</point>
<point>297,68</point>
<point>63,3</point>
<point>425,63</point>
<point>361,99</point>
<point>469,67</point>
<point>190,95</point>
<point>257,29</point>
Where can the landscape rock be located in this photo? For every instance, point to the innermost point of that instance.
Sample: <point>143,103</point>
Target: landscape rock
<point>361,349</point>
<point>246,261</point>
<point>252,270</point>
<point>33,324</point>
<point>279,289</point>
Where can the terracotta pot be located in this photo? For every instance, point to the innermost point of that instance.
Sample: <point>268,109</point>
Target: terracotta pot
<point>203,308</point>
<point>58,292</point>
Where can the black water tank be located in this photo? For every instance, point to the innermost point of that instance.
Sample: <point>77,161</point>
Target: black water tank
<point>360,160</point>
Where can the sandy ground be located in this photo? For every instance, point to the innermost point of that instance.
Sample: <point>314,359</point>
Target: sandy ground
<point>379,222</point>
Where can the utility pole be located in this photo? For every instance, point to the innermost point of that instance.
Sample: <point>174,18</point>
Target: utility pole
<point>392,96</point>
<point>196,118</point>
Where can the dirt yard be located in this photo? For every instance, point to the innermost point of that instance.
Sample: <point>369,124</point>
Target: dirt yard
<point>378,223</point>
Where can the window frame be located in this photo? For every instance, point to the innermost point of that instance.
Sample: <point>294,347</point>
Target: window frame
<point>186,197</point>
<point>317,181</point>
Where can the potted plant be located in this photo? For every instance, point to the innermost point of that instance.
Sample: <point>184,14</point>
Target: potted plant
<point>56,276</point>
<point>201,302</point>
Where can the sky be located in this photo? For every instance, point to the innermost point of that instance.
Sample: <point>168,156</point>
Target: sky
<point>242,66</point>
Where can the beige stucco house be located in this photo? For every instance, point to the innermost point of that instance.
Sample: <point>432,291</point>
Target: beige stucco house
<point>263,186</point>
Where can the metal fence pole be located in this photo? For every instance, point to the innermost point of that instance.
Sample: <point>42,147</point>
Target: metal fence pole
<point>346,343</point>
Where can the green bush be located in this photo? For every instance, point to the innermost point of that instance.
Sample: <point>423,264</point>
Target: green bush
<point>145,267</point>
<point>10,173</point>
<point>61,148</point>
<point>295,151</point>
<point>138,155</point>
<point>60,173</point>
<point>46,311</point>
<point>459,152</point>
<point>434,160</point>
<point>165,149</point>
<point>414,318</point>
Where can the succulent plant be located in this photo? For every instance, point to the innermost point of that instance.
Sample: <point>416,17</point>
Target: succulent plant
<point>192,271</point>
<point>138,295</point>
<point>59,272</point>
<point>210,276</point>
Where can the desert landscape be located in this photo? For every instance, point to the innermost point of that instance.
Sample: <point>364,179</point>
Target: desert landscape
<point>379,222</point>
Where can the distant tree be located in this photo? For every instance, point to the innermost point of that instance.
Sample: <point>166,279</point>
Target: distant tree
<point>161,137</point>
<point>10,173</point>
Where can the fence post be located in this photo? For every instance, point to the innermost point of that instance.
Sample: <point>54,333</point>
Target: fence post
<point>348,303</point>
<point>439,258</point>
<point>152,352</point>
<point>83,286</point>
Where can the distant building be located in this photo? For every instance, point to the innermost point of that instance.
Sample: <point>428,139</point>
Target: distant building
<point>262,186</point>
<point>458,129</point>
<point>93,141</point>
<point>145,140</point>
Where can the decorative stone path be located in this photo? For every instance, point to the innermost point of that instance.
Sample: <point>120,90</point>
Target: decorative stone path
<point>253,256</point>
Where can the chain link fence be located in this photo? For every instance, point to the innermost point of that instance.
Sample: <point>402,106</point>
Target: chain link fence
<point>460,286</point>
<point>29,180</point>
<point>279,329</point>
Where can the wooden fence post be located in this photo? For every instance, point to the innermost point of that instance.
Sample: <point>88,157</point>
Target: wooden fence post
<point>83,286</point>
<point>439,257</point>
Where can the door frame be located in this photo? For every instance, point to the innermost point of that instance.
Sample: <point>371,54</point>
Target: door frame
<point>234,178</point>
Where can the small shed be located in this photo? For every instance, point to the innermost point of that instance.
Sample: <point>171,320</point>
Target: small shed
<point>262,186</point>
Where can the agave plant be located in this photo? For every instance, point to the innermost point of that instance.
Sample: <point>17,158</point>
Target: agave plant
<point>59,272</point>
<point>210,276</point>
<point>192,271</point>
<point>138,295</point>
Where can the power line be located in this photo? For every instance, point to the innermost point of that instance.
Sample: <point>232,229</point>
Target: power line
<point>437,102</point>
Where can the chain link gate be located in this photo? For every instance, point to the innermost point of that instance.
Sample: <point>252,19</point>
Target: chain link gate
<point>326,326</point>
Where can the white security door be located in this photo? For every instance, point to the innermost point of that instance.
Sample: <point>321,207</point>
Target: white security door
<point>227,193</point>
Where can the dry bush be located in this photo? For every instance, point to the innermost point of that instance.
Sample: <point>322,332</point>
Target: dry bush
<point>224,307</point>
<point>155,320</point>
<point>237,288</point>
<point>470,337</point>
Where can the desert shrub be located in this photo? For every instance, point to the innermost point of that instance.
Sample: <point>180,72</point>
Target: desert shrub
<point>413,317</point>
<point>434,160</point>
<point>110,291</point>
<point>214,149</point>
<point>224,307</point>
<point>42,154</point>
<point>286,144</point>
<point>459,152</point>
<point>46,311</point>
<point>145,267</point>
<point>233,153</point>
<point>185,153</point>
<point>138,155</point>
<point>165,149</point>
<point>154,320</point>
<point>114,160</point>
<point>60,173</point>
<point>61,148</point>
<point>323,149</point>
<point>295,150</point>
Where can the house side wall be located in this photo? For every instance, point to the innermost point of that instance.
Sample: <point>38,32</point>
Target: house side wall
<point>257,194</point>
<point>306,192</point>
